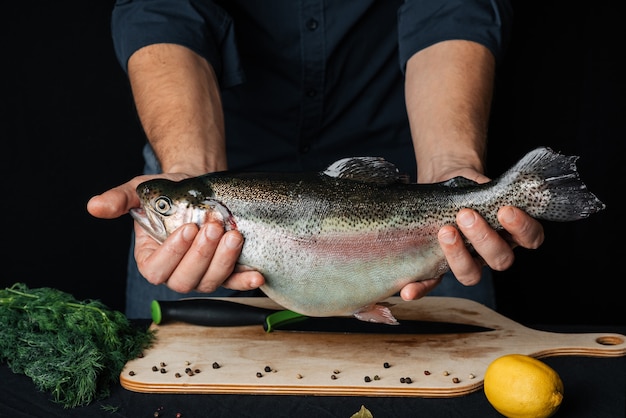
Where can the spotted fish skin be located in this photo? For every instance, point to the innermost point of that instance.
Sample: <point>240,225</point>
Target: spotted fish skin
<point>335,243</point>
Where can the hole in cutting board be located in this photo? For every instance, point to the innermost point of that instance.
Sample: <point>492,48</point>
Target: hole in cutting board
<point>610,340</point>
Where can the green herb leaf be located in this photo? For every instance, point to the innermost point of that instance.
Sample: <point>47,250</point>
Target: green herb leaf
<point>363,413</point>
<point>73,349</point>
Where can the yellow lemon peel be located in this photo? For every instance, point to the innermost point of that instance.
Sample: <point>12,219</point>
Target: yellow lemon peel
<point>521,386</point>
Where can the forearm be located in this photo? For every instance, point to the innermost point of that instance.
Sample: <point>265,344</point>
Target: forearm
<point>179,105</point>
<point>449,87</point>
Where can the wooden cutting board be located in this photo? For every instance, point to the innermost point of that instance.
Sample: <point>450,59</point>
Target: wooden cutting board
<point>319,363</point>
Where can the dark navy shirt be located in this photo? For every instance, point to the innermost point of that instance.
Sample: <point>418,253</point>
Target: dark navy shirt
<point>305,83</point>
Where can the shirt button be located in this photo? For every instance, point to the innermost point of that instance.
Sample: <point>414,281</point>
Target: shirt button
<point>311,92</point>
<point>304,148</point>
<point>311,24</point>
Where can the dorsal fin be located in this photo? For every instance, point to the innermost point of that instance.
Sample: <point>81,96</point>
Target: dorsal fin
<point>459,182</point>
<point>365,169</point>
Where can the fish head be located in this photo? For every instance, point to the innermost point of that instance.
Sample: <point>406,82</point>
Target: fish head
<point>166,205</point>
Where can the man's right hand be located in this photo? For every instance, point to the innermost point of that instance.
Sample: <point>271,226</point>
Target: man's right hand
<point>190,258</point>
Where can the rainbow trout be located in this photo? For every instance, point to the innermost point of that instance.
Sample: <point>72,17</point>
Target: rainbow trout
<point>337,242</point>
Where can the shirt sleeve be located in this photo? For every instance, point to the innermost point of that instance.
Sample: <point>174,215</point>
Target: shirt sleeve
<point>422,23</point>
<point>201,26</point>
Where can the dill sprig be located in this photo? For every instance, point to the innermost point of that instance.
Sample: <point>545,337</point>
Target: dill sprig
<point>73,349</point>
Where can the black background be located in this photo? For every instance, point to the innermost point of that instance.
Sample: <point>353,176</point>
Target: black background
<point>69,131</point>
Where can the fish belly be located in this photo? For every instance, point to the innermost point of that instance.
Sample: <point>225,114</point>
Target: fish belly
<point>336,275</point>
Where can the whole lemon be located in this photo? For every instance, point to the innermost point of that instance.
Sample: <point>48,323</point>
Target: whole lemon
<point>520,386</point>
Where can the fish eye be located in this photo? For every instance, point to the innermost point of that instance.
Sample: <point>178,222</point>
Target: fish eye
<point>162,204</point>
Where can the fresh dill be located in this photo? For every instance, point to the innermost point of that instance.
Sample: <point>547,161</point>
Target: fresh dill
<point>75,350</point>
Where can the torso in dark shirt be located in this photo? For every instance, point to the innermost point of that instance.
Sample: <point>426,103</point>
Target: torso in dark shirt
<point>320,84</point>
<point>307,82</point>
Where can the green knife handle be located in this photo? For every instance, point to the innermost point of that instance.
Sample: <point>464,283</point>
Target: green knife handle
<point>208,312</point>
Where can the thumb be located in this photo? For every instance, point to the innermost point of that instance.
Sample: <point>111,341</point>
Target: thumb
<point>114,202</point>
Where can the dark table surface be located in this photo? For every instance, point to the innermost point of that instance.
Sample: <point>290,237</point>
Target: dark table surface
<point>594,387</point>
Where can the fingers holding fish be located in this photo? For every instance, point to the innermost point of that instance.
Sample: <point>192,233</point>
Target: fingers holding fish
<point>215,257</point>
<point>244,279</point>
<point>206,262</point>
<point>467,268</point>
<point>157,263</point>
<point>523,230</point>
<point>194,259</point>
<point>491,248</point>
<point>420,289</point>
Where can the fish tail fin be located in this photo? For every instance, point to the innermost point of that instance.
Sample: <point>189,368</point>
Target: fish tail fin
<point>565,196</point>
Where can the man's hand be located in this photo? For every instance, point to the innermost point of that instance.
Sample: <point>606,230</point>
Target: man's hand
<point>492,248</point>
<point>190,258</point>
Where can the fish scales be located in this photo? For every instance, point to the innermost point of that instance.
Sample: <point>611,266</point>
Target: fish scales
<point>309,235</point>
<point>320,203</point>
<point>337,242</point>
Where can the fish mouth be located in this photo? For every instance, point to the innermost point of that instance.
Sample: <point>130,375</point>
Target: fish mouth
<point>151,224</point>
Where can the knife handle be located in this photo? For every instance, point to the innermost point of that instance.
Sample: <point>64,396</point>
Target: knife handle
<point>208,312</point>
